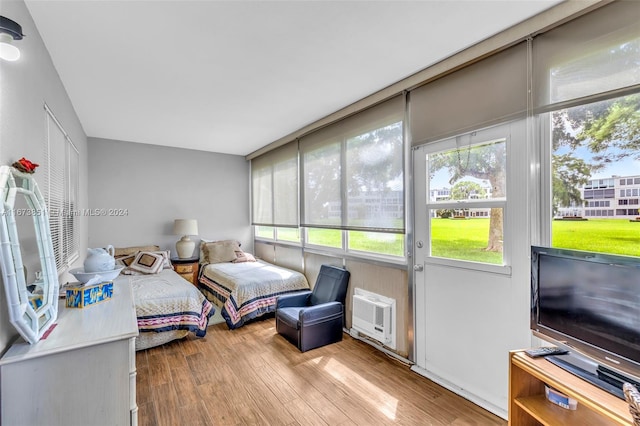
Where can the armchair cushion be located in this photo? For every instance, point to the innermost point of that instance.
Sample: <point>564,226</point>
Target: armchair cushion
<point>299,299</point>
<point>313,314</point>
<point>331,285</point>
<point>314,318</point>
<point>290,317</point>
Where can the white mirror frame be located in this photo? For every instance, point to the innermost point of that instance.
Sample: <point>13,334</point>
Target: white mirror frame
<point>30,322</point>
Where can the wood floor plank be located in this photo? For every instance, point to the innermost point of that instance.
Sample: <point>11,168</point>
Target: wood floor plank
<point>166,404</point>
<point>147,414</point>
<point>219,410</point>
<point>253,376</point>
<point>323,407</point>
<point>194,415</point>
<point>143,385</point>
<point>159,373</point>
<point>185,385</point>
<point>301,410</point>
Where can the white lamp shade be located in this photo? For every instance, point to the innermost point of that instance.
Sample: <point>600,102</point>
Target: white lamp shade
<point>185,227</point>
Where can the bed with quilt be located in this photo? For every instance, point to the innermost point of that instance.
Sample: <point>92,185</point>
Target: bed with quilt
<point>168,307</point>
<point>241,286</point>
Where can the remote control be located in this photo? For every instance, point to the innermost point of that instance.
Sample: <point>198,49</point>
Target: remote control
<point>544,351</point>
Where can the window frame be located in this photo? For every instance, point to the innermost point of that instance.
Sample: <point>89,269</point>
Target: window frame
<point>499,132</point>
<point>64,223</point>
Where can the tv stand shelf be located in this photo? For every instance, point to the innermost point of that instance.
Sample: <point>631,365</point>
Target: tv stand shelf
<point>529,406</point>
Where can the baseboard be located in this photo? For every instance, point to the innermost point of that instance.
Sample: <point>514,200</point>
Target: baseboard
<point>492,408</point>
<point>356,335</point>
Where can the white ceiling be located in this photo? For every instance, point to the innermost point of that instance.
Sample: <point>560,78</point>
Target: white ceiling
<point>233,76</point>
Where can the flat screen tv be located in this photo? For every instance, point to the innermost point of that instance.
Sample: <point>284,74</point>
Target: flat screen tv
<point>590,303</point>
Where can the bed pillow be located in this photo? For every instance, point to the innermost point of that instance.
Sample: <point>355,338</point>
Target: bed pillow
<point>166,255</point>
<point>203,253</point>
<point>126,260</point>
<point>147,263</point>
<point>220,251</point>
<point>242,256</point>
<point>128,251</point>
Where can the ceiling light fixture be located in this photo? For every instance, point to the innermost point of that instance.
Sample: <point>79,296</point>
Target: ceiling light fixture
<point>9,31</point>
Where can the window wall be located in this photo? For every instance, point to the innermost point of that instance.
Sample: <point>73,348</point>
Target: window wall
<point>578,88</point>
<point>351,176</point>
<point>589,116</point>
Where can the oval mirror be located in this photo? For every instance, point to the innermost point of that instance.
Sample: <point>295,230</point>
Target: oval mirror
<point>33,306</point>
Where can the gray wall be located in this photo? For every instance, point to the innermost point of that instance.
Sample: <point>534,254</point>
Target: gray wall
<point>155,185</point>
<point>25,86</point>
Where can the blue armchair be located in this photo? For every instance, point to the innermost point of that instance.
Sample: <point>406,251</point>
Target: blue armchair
<point>311,319</point>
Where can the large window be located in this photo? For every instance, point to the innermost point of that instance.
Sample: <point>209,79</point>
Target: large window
<point>594,164</point>
<point>466,197</point>
<point>587,76</point>
<point>353,183</point>
<point>60,191</point>
<point>351,186</point>
<point>274,188</point>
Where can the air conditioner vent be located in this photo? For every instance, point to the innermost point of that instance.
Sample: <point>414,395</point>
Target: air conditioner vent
<point>373,315</point>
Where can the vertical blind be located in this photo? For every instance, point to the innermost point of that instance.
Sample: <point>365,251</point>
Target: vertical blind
<point>352,171</point>
<point>596,53</point>
<point>274,187</point>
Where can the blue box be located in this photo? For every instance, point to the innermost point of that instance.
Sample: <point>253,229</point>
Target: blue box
<point>559,398</point>
<point>80,296</point>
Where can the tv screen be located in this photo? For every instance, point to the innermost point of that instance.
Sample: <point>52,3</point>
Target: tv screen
<point>589,301</point>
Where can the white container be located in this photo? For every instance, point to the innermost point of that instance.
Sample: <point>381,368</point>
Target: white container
<point>558,398</point>
<point>95,277</point>
<point>99,259</point>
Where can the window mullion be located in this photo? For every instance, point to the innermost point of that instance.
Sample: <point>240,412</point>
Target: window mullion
<point>343,185</point>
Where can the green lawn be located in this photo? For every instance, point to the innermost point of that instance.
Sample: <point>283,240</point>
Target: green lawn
<point>466,239</point>
<point>462,239</point>
<point>604,235</point>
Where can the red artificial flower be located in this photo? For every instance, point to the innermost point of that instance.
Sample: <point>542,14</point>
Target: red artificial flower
<point>28,164</point>
<point>25,165</point>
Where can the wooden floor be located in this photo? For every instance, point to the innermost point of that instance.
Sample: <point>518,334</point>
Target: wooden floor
<point>252,376</point>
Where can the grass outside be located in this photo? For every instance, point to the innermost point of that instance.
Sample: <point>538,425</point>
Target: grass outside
<point>617,236</point>
<point>463,239</point>
<point>466,239</point>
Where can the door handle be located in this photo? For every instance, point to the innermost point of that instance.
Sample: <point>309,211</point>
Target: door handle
<point>418,268</point>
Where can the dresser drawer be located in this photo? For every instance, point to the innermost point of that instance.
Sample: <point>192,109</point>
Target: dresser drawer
<point>185,269</point>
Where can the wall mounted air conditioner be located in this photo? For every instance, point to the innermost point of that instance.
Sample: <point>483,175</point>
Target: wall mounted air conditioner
<point>374,316</point>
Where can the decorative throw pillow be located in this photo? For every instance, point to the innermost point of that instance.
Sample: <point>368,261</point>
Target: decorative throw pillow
<point>242,256</point>
<point>221,251</point>
<point>147,262</point>
<point>126,260</point>
<point>127,251</point>
<point>166,255</point>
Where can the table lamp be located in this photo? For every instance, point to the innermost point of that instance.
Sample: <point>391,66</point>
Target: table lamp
<point>185,227</point>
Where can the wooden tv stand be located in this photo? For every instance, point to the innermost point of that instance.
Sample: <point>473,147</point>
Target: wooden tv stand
<point>529,406</point>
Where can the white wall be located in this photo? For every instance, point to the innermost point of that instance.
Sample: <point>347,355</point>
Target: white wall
<point>25,85</point>
<point>154,185</point>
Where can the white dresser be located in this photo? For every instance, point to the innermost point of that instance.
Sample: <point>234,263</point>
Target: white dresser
<point>83,373</point>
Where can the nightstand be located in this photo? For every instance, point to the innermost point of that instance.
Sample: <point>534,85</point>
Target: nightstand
<point>187,268</point>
